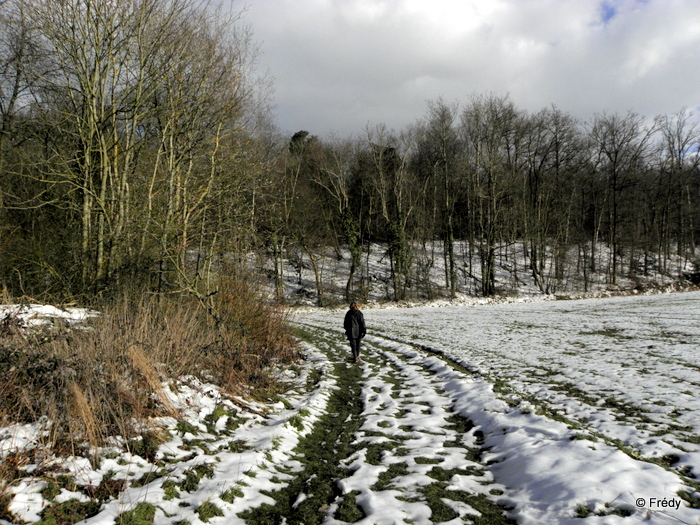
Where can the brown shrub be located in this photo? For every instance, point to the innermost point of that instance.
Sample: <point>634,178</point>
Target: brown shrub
<point>92,383</point>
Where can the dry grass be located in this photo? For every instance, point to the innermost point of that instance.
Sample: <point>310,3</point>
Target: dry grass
<point>95,383</point>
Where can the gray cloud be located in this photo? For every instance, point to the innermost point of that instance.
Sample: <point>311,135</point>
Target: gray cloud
<point>341,64</point>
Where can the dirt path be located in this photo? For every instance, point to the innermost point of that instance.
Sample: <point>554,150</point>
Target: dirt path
<point>389,449</point>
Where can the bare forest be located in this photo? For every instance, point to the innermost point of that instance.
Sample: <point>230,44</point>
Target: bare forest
<point>138,149</point>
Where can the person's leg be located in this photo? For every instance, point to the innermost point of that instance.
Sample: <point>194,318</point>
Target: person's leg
<point>355,347</point>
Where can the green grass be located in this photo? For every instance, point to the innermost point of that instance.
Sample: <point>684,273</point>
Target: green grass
<point>331,440</point>
<point>349,510</point>
<point>194,475</point>
<point>375,451</point>
<point>170,487</point>
<point>231,494</point>
<point>386,478</point>
<point>183,427</point>
<point>143,514</point>
<point>208,510</point>
<point>66,513</point>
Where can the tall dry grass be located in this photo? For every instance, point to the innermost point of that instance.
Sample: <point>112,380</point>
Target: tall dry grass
<point>101,381</point>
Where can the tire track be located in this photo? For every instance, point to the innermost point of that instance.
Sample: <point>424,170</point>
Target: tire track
<point>390,449</point>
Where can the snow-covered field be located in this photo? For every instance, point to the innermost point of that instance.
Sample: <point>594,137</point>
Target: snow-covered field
<point>584,403</point>
<point>551,412</point>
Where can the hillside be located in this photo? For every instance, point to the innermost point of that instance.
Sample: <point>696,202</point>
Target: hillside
<point>565,276</point>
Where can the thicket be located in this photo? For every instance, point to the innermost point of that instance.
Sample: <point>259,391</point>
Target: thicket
<point>131,145</point>
<point>109,376</point>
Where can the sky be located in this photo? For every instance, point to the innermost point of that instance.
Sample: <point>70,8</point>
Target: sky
<point>339,66</point>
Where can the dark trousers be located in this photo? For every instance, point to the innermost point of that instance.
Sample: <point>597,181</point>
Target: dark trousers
<point>355,346</point>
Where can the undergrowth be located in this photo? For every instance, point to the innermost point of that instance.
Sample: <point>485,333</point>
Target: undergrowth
<point>109,376</point>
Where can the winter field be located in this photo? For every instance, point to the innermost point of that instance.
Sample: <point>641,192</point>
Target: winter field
<point>587,407</point>
<point>539,412</point>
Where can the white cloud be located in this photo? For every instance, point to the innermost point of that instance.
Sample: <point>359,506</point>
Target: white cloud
<point>340,64</point>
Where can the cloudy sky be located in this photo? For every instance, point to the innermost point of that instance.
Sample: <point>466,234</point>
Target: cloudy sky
<point>339,65</point>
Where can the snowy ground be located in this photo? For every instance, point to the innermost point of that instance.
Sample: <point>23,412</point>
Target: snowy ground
<point>583,403</point>
<point>513,276</point>
<point>556,412</point>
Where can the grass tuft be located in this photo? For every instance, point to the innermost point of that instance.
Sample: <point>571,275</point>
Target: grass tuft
<point>208,510</point>
<point>143,514</point>
<point>68,512</point>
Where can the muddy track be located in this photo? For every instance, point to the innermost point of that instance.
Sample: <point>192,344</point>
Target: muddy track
<point>390,448</point>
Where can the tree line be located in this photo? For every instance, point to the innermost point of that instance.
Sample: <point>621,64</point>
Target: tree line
<point>487,177</point>
<point>137,147</point>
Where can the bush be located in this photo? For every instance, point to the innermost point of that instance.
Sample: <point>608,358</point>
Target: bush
<point>94,383</point>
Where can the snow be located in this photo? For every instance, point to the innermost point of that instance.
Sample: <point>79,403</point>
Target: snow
<point>38,314</point>
<point>571,358</point>
<point>512,275</point>
<point>583,405</point>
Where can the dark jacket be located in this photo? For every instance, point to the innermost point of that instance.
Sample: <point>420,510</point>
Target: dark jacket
<point>354,324</point>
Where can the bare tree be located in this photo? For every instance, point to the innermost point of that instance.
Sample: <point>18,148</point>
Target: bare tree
<point>394,186</point>
<point>489,126</point>
<point>552,147</point>
<point>621,146</point>
<point>335,176</point>
<point>439,154</point>
<point>679,165</point>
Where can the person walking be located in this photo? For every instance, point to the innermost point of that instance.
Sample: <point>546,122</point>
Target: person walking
<point>355,330</point>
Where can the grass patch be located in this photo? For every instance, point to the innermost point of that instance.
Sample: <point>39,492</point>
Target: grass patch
<point>375,451</point>
<point>691,498</point>
<point>68,512</point>
<point>348,509</point>
<point>208,510</point>
<point>238,445</point>
<point>314,378</point>
<point>184,427</point>
<point>459,424</point>
<point>193,477</point>
<point>445,475</point>
<point>147,443</point>
<point>150,477</point>
<point>297,420</point>
<point>143,514</point>
<point>582,511</point>
<point>489,512</point>
<point>428,461</point>
<point>211,420</point>
<point>231,494</point>
<point>439,510</point>
<point>395,470</point>
<point>53,487</point>
<point>331,440</point>
<point>170,488</point>
<point>108,489</point>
